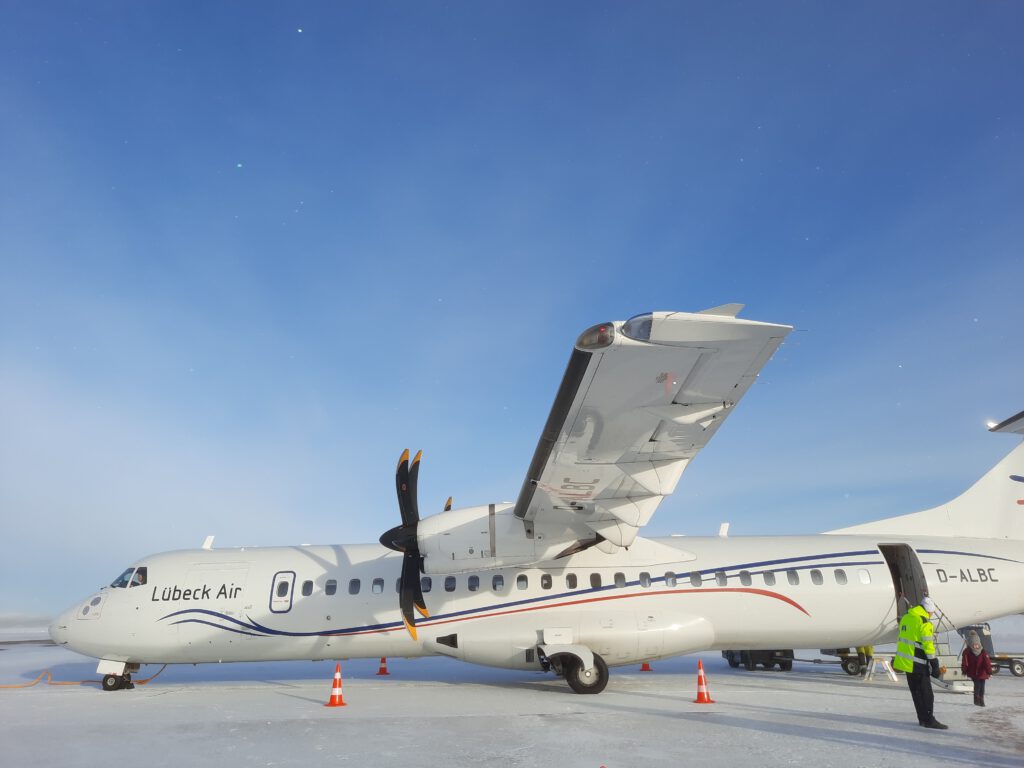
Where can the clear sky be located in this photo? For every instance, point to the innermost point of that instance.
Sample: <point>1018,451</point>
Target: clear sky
<point>250,251</point>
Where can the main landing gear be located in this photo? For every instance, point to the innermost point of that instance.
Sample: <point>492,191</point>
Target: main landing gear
<point>565,661</point>
<point>117,682</point>
<point>584,681</point>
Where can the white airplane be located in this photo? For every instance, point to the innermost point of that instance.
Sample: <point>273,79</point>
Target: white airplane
<point>560,581</point>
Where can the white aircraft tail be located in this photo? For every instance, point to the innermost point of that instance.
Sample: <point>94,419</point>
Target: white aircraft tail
<point>992,508</point>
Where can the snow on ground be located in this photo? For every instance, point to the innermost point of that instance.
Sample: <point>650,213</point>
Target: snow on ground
<point>438,712</point>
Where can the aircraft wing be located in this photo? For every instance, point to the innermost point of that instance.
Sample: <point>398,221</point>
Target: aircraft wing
<point>638,400</point>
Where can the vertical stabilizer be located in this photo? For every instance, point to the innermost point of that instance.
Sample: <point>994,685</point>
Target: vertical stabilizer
<point>992,508</point>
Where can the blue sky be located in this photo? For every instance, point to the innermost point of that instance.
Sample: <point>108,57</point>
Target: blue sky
<point>250,251</point>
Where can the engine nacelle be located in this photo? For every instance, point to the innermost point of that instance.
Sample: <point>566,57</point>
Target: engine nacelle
<point>491,536</point>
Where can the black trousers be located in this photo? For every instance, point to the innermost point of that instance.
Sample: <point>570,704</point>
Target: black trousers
<point>979,689</point>
<point>920,683</point>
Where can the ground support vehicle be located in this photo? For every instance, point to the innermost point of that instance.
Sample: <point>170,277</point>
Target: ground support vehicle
<point>767,659</point>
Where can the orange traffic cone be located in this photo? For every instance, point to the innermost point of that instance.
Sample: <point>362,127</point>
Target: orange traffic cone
<point>645,667</point>
<point>383,666</point>
<point>703,695</point>
<point>336,698</point>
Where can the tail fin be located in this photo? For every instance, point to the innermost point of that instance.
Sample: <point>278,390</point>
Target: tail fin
<point>992,508</point>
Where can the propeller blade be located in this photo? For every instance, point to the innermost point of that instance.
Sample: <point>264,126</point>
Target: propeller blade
<point>405,504</point>
<point>409,587</point>
<point>414,473</point>
<point>417,600</point>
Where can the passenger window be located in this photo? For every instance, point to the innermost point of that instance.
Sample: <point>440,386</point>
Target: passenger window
<point>570,581</point>
<point>123,579</point>
<point>545,581</point>
<point>307,588</point>
<point>473,583</point>
<point>670,579</point>
<point>696,579</point>
<point>816,577</point>
<point>498,582</point>
<point>426,583</point>
<point>793,576</point>
<point>449,583</point>
<point>522,582</point>
<point>620,580</point>
<point>595,580</point>
<point>721,579</point>
<point>745,579</point>
<point>282,588</point>
<point>840,575</point>
<point>865,577</point>
<point>378,586</point>
<point>769,578</point>
<point>353,587</point>
<point>645,580</point>
<point>330,587</point>
<point>139,579</point>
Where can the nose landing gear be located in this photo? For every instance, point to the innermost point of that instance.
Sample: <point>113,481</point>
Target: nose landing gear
<point>117,682</point>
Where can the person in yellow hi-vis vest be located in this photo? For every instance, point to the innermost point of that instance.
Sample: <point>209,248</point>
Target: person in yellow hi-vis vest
<point>915,655</point>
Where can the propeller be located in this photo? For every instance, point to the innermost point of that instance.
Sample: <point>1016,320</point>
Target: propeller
<point>402,538</point>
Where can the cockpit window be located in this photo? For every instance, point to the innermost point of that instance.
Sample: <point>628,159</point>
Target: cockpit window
<point>124,579</point>
<point>139,579</point>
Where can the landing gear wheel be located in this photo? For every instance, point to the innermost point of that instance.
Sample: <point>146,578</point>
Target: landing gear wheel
<point>851,667</point>
<point>582,682</point>
<point>113,682</point>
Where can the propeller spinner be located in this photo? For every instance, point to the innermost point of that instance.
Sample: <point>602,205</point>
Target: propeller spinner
<point>402,538</point>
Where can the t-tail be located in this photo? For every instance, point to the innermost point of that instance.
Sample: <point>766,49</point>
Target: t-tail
<point>992,508</point>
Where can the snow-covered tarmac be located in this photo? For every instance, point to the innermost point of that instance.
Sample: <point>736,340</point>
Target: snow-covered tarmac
<point>436,712</point>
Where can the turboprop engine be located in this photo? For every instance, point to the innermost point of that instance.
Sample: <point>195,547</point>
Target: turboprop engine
<point>459,540</point>
<point>491,536</point>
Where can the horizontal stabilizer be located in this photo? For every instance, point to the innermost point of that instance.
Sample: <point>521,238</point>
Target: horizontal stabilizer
<point>1014,425</point>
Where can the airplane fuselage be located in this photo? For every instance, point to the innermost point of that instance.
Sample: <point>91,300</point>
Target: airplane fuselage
<point>659,598</point>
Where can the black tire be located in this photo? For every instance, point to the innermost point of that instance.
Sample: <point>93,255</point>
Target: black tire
<point>733,661</point>
<point>851,667</point>
<point>748,662</point>
<point>112,682</point>
<point>769,666</point>
<point>996,666</point>
<point>582,683</point>
<point>786,666</point>
<point>1017,668</point>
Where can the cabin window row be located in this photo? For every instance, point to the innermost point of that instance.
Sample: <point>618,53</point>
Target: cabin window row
<point>522,581</point>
